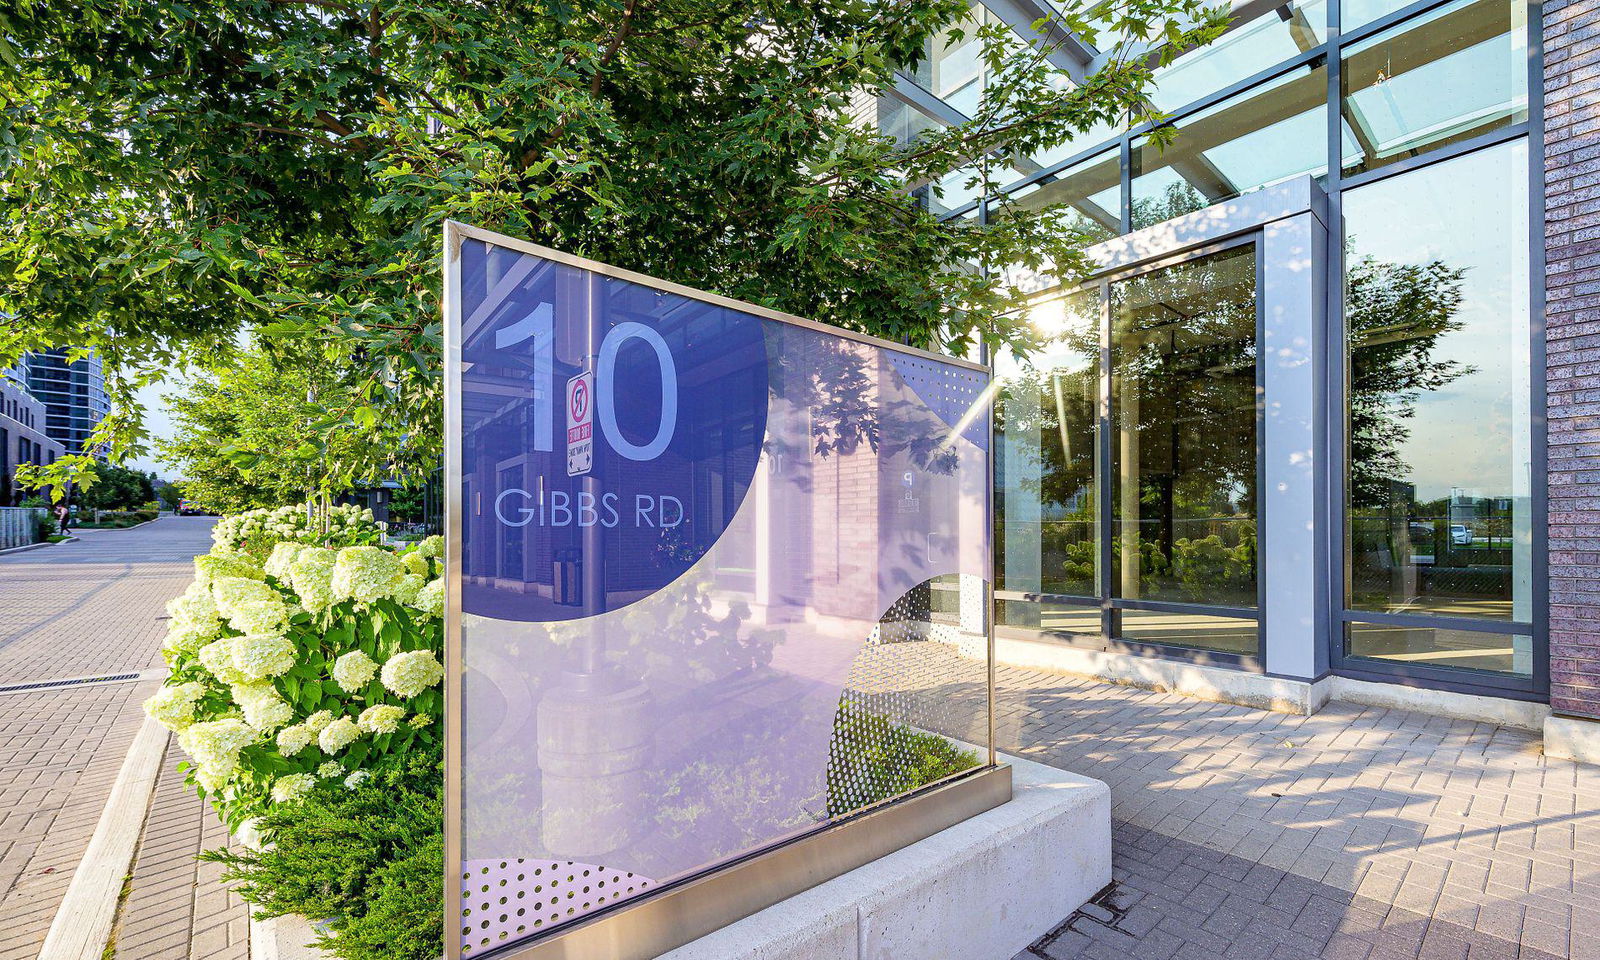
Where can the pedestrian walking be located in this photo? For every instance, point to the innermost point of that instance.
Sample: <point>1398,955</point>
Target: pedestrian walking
<point>63,517</point>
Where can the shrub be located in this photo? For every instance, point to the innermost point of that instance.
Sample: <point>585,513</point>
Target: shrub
<point>256,532</point>
<point>370,860</point>
<point>317,666</point>
<point>47,528</point>
<point>122,518</point>
<point>871,758</point>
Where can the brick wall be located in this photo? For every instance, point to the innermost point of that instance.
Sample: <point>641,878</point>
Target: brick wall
<point>1572,253</point>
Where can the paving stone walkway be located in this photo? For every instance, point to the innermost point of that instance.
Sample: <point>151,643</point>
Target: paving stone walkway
<point>96,608</point>
<point>1357,834</point>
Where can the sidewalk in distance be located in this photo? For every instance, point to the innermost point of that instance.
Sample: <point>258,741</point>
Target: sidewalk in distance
<point>95,607</point>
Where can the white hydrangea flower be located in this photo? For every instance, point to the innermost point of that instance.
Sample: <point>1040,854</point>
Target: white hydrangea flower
<point>217,658</point>
<point>318,720</point>
<point>312,575</point>
<point>293,739</point>
<point>381,718</point>
<point>259,656</point>
<point>420,720</point>
<point>214,779</point>
<point>431,547</point>
<point>195,609</point>
<point>408,674</point>
<point>260,616</point>
<point>263,708</point>
<point>212,566</point>
<point>215,744</point>
<point>186,639</point>
<point>232,593</point>
<point>292,787</point>
<point>353,671</point>
<point>366,574</point>
<point>407,589</point>
<point>173,707</point>
<point>330,769</point>
<point>430,599</point>
<point>416,564</point>
<point>282,559</point>
<point>338,735</point>
<point>357,778</point>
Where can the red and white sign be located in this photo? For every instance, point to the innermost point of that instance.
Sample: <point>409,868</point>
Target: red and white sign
<point>580,424</point>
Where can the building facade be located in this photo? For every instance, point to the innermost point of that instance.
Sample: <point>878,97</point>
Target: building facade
<point>1327,419</point>
<point>73,393</point>
<point>22,432</point>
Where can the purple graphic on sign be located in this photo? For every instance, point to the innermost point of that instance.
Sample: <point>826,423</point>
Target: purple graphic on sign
<point>721,582</point>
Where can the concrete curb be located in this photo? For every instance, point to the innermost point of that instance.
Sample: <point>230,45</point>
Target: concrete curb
<point>83,922</point>
<point>283,938</point>
<point>985,887</point>
<point>278,938</point>
<point>36,546</point>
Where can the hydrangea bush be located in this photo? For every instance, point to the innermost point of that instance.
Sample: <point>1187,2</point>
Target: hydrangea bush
<point>256,532</point>
<point>309,669</point>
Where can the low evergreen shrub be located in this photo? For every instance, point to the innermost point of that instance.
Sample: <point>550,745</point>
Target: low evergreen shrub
<point>368,860</point>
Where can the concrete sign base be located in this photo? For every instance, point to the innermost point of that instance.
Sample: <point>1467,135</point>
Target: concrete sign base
<point>981,890</point>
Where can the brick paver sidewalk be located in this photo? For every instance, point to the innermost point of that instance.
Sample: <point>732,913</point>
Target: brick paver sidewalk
<point>1357,834</point>
<point>89,609</point>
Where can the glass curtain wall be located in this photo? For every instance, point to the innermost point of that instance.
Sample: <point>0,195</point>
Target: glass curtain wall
<point>1440,427</point>
<point>1415,117</point>
<point>1183,432</point>
<point>1047,564</point>
<point>1160,545</point>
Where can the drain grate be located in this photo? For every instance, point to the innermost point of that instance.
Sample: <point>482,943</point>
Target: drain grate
<point>70,682</point>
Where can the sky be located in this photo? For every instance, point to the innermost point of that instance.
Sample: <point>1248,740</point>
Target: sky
<point>159,422</point>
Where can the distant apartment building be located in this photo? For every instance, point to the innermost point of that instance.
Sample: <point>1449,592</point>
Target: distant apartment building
<point>73,393</point>
<point>23,438</point>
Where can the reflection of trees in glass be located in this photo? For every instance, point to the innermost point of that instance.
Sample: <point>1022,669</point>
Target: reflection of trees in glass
<point>1184,403</point>
<point>842,414</point>
<point>1395,314</point>
<point>1049,414</point>
<point>1176,200</point>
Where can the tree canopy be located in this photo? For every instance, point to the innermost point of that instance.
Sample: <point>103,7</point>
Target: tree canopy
<point>118,488</point>
<point>246,435</point>
<point>177,174</point>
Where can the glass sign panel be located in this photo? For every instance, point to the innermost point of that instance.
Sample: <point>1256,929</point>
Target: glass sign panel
<point>720,579</point>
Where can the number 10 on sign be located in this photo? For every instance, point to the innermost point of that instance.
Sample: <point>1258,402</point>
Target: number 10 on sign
<point>580,424</point>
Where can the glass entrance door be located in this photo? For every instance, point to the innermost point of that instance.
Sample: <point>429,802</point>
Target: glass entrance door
<point>1128,460</point>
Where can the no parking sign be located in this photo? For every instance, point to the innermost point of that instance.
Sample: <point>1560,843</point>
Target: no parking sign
<point>580,424</point>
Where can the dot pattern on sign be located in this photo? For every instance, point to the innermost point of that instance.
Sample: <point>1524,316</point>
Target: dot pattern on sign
<point>508,900</point>
<point>888,696</point>
<point>948,391</point>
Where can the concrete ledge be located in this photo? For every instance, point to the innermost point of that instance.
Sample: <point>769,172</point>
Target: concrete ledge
<point>284,938</point>
<point>1568,738</point>
<point>986,887</point>
<point>1520,714</point>
<point>1257,690</point>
